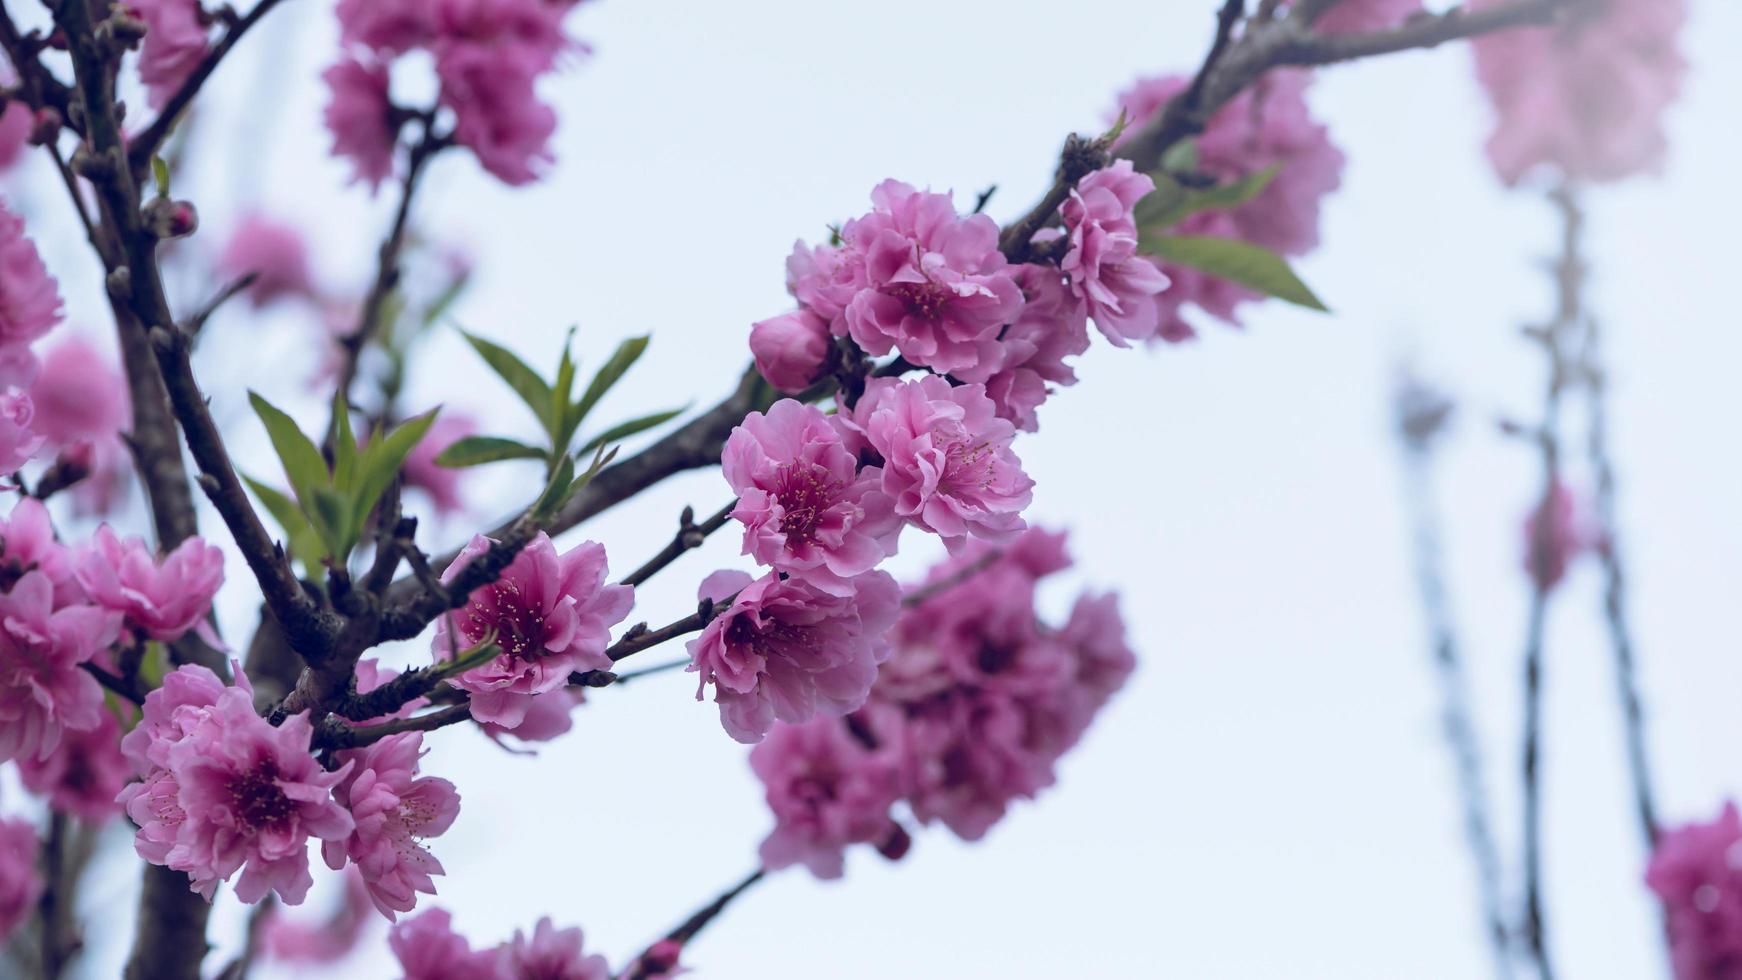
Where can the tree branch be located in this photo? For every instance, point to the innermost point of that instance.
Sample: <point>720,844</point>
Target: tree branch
<point>648,964</point>
<point>690,535</point>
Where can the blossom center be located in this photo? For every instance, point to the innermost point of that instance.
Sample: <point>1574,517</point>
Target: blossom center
<point>924,300</point>
<point>256,798</point>
<point>804,493</point>
<point>518,623</point>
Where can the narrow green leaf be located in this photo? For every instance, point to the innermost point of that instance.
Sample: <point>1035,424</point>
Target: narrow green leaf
<point>445,300</point>
<point>299,535</point>
<point>626,429</point>
<point>344,445</point>
<point>524,380</point>
<point>1182,157</point>
<point>331,516</point>
<point>627,353</point>
<point>1118,129</point>
<point>478,450</point>
<point>303,463</point>
<point>1240,262</point>
<point>556,491</point>
<point>562,427</point>
<point>160,173</point>
<point>1173,202</point>
<point>381,463</point>
<point>601,459</point>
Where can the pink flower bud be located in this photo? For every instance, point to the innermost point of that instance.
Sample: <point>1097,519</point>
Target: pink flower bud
<point>790,349</point>
<point>44,126</point>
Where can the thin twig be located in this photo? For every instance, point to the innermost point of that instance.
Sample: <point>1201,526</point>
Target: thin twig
<point>338,735</point>
<point>690,535</point>
<point>639,637</point>
<point>647,963</point>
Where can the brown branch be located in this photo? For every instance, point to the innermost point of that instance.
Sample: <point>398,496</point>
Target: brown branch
<point>335,734</point>
<point>639,637</point>
<point>690,535</point>
<point>646,965</point>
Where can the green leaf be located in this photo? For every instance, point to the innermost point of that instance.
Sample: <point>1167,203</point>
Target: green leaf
<point>478,450</point>
<point>299,535</point>
<point>1173,202</point>
<point>601,459</point>
<point>1182,157</point>
<point>303,463</point>
<point>562,416</point>
<point>160,173</point>
<point>627,353</point>
<point>1118,129</point>
<point>556,492</point>
<point>524,380</point>
<point>330,514</point>
<point>1240,262</point>
<point>626,429</point>
<point>445,300</point>
<point>344,445</point>
<point>381,463</point>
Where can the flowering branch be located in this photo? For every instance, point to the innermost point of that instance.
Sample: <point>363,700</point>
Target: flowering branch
<point>659,959</point>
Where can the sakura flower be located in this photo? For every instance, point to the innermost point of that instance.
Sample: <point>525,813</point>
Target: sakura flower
<point>161,599</point>
<point>175,43</point>
<point>427,948</point>
<point>548,716</point>
<point>84,774</point>
<point>441,483</point>
<point>790,349</point>
<point>805,507</point>
<point>30,303</point>
<point>20,882</point>
<point>154,806</point>
<point>1053,325</point>
<point>172,711</point>
<point>1117,285</point>
<point>43,690</point>
<point>551,954</point>
<point>551,615</point>
<point>271,251</point>
<point>19,440</point>
<point>1585,98</point>
<point>359,114</point>
<point>786,650</point>
<point>328,941</point>
<point>830,783</point>
<point>946,458</point>
<point>394,810</point>
<point>389,26</point>
<point>80,399</point>
<point>937,288</point>
<point>1695,873</point>
<point>824,280</point>
<point>27,543</point>
<point>497,114</point>
<point>16,122</point>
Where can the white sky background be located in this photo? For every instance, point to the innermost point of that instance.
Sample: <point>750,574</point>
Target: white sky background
<point>1269,796</point>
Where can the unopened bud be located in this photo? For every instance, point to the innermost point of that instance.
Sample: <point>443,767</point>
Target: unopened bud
<point>167,218</point>
<point>895,845</point>
<point>45,126</point>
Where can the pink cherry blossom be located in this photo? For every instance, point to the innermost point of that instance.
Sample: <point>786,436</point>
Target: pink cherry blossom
<point>428,948</point>
<point>830,783</point>
<point>551,954</point>
<point>388,26</point>
<point>1695,873</point>
<point>16,122</point>
<point>1584,99</point>
<point>824,280</point>
<point>84,774</point>
<point>43,690</point>
<point>528,31</point>
<point>394,810</point>
<point>274,253</point>
<point>1117,285</point>
<point>20,882</point>
<point>548,716</point>
<point>657,962</point>
<point>302,942</point>
<point>1571,532</point>
<point>786,650</point>
<point>946,458</point>
<point>80,398</point>
<point>19,440</point>
<point>359,114</point>
<point>154,806</point>
<point>497,114</point>
<point>1053,326</point>
<point>175,43</point>
<point>936,287</point>
<point>551,616</point>
<point>1362,16</point>
<point>30,303</point>
<point>790,349</point>
<point>806,508</point>
<point>161,599</point>
<point>172,710</point>
<point>251,796</point>
<point>28,543</point>
<point>441,483</point>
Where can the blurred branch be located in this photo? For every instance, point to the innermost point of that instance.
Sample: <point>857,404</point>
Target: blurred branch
<point>652,963</point>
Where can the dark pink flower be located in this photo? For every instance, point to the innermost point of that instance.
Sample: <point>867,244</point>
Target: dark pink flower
<point>84,774</point>
<point>657,962</point>
<point>830,783</point>
<point>548,716</point>
<point>786,650</point>
<point>551,954</point>
<point>175,43</point>
<point>526,31</point>
<point>161,599</point>
<point>806,508</point>
<point>43,690</point>
<point>30,303</point>
<point>28,543</point>
<point>1570,531</point>
<point>387,26</point>
<point>274,253</point>
<point>551,615</point>
<point>936,287</point>
<point>790,349</point>
<point>359,114</point>
<point>428,948</point>
<point>1586,98</point>
<point>395,810</point>
<point>946,458</point>
<point>497,114</point>
<point>327,941</point>
<point>80,398</point>
<point>1053,326</point>
<point>16,122</point>
<point>20,882</point>
<point>1117,285</point>
<point>441,483</point>
<point>1696,873</point>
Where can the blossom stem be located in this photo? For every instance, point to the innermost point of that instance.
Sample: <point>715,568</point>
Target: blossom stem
<point>692,926</point>
<point>690,535</point>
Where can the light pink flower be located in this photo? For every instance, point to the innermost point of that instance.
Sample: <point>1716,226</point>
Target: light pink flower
<point>786,650</point>
<point>1696,874</point>
<point>154,806</point>
<point>274,253</point>
<point>1571,532</point>
<point>441,483</point>
<point>175,43</point>
<point>84,774</point>
<point>1053,326</point>
<point>552,954</point>
<point>946,458</point>
<point>830,783</point>
<point>161,599</point>
<point>551,616</point>
<point>251,796</point>
<point>1117,285</point>
<point>18,366</point>
<point>172,710</point>
<point>937,288</point>
<point>790,349</point>
<point>327,941</point>
<point>27,543</point>
<point>19,440</point>
<point>1362,16</point>
<point>80,398</point>
<point>1585,98</point>
<point>428,949</point>
<point>806,508</point>
<point>387,26</point>
<point>824,280</point>
<point>20,882</point>
<point>497,114</point>
<point>30,303</point>
<point>359,114</point>
<point>395,810</point>
<point>43,690</point>
<point>548,716</point>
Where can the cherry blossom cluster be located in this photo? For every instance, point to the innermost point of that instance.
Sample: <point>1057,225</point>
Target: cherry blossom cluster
<point>30,306</point>
<point>971,711</point>
<point>1696,874</point>
<point>489,56</point>
<point>1585,99</point>
<point>428,948</point>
